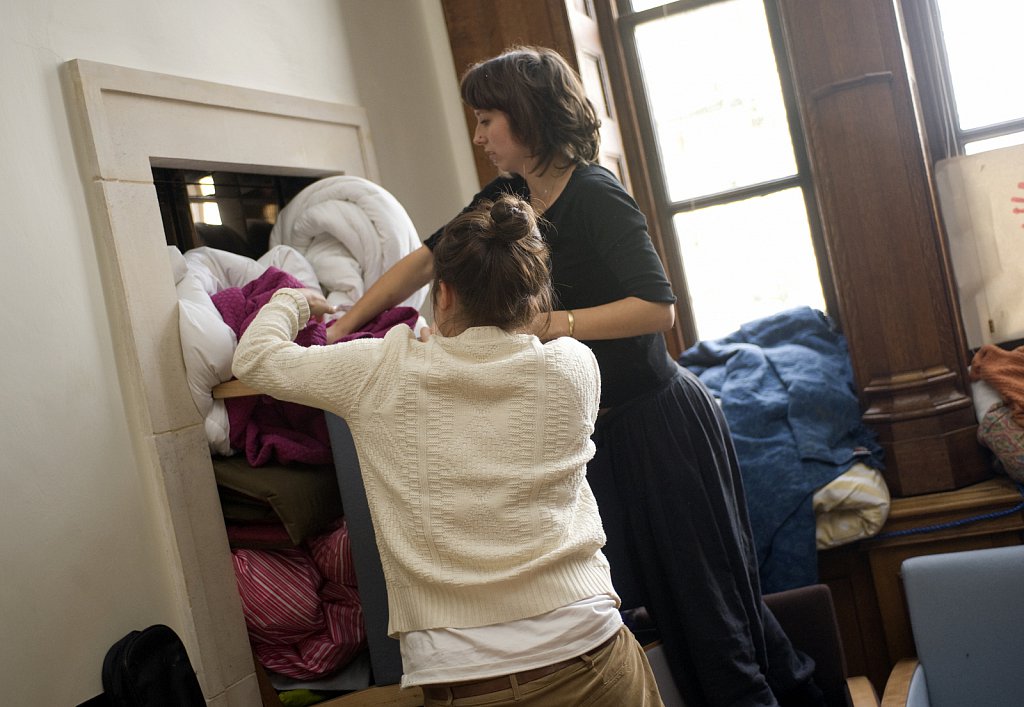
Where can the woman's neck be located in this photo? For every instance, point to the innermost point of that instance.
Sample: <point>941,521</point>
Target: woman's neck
<point>547,187</point>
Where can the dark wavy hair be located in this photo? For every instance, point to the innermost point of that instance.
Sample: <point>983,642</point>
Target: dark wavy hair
<point>496,261</point>
<point>544,100</point>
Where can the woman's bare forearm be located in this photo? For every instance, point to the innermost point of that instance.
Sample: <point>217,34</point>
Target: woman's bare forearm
<point>620,319</point>
<point>396,285</point>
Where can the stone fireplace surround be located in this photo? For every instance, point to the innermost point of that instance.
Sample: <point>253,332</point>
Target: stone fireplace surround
<point>125,122</point>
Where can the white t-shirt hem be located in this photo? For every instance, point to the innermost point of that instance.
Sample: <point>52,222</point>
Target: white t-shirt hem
<point>444,656</point>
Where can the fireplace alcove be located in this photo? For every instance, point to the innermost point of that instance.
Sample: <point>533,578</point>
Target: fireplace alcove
<point>124,123</point>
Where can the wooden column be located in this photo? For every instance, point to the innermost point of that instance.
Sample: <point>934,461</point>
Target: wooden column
<point>885,245</point>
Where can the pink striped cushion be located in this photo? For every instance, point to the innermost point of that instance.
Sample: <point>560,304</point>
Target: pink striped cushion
<point>301,606</point>
<point>279,591</point>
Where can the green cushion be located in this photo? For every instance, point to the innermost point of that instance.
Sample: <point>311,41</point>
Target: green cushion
<point>304,498</point>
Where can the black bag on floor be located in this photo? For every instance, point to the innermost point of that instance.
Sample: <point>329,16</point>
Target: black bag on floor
<point>150,668</point>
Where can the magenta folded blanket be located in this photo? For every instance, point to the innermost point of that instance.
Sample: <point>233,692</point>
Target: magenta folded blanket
<point>265,429</point>
<point>269,430</point>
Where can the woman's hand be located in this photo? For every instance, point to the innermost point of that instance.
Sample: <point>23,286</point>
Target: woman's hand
<point>543,326</point>
<point>318,305</point>
<point>393,287</point>
<point>337,329</point>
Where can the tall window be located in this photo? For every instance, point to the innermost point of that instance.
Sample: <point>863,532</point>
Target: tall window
<point>721,135</point>
<point>978,51</point>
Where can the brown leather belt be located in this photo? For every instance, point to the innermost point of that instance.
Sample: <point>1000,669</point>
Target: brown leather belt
<point>486,686</point>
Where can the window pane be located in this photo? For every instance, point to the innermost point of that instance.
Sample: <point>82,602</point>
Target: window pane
<point>747,260</point>
<point>983,41</point>
<point>639,5</point>
<point>715,98</point>
<point>994,143</point>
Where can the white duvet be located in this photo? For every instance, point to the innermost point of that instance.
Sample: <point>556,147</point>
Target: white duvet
<point>351,231</point>
<point>339,234</point>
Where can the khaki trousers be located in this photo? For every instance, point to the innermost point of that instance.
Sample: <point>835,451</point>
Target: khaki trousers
<point>616,676</point>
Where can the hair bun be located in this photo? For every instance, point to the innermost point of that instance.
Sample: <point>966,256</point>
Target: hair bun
<point>513,218</point>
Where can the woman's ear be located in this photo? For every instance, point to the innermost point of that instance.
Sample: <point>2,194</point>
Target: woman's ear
<point>445,296</point>
<point>446,310</point>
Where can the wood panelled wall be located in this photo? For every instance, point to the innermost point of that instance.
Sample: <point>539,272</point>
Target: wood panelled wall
<point>877,203</point>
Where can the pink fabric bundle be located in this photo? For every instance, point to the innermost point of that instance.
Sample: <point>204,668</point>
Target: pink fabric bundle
<point>383,322</point>
<point>239,305</point>
<point>266,429</point>
<point>301,605</point>
<point>269,430</point>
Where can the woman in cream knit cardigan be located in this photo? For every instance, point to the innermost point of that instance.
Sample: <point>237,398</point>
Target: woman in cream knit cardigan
<point>473,443</point>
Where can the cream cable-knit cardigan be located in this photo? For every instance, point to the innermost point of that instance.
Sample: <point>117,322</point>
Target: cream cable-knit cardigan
<point>473,451</point>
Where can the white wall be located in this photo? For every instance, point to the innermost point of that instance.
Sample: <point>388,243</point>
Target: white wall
<point>421,130</point>
<point>81,560</point>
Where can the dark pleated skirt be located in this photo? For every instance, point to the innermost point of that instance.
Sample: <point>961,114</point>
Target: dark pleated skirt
<point>668,486</point>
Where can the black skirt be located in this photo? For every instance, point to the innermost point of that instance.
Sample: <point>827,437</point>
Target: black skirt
<point>671,498</point>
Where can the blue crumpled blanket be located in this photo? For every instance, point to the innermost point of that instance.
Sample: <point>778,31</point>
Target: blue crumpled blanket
<point>786,388</point>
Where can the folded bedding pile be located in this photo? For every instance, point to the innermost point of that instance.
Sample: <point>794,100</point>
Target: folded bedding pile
<point>339,234</point>
<point>207,341</point>
<point>293,567</point>
<point>786,388</point>
<point>272,460</point>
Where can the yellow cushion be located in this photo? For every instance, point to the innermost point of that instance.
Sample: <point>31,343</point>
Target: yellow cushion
<point>855,505</point>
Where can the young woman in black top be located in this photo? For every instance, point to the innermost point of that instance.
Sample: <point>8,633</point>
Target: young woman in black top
<point>665,475</point>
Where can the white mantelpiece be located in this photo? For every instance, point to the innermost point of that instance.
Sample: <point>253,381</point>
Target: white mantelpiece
<point>125,122</point>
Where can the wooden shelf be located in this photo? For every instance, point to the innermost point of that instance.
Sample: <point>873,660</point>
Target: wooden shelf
<point>992,495</point>
<point>233,388</point>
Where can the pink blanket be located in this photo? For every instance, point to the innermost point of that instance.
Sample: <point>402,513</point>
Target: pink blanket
<point>269,430</point>
<point>264,428</point>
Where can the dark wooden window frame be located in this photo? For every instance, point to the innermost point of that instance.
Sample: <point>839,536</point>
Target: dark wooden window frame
<point>931,67</point>
<point>627,87</point>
